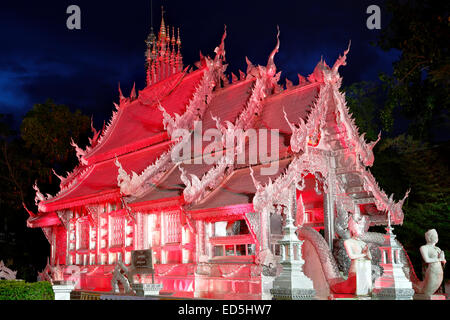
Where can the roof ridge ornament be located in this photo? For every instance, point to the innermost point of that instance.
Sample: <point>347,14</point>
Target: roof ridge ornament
<point>271,67</point>
<point>133,92</point>
<point>80,153</point>
<point>163,53</point>
<point>250,68</point>
<point>342,60</point>
<point>32,214</point>
<point>39,196</point>
<point>61,178</point>
<point>121,96</point>
<point>220,50</point>
<point>299,135</point>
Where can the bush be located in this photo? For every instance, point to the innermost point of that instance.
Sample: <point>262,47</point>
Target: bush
<point>21,290</point>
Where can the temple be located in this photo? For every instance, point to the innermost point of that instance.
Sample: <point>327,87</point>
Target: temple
<point>212,215</point>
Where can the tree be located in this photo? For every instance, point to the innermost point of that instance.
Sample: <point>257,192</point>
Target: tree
<point>44,143</point>
<point>47,131</point>
<point>363,99</point>
<point>419,86</point>
<point>404,162</point>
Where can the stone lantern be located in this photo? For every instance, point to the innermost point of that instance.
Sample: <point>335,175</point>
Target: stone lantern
<point>392,284</point>
<point>292,283</point>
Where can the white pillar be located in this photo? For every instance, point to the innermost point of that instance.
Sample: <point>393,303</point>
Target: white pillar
<point>62,291</point>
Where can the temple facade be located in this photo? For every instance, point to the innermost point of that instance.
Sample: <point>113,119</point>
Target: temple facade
<point>212,212</point>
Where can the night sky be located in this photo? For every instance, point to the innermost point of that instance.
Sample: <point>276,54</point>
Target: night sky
<point>40,58</point>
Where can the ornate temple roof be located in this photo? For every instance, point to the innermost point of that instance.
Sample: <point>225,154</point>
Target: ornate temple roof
<point>138,123</point>
<point>238,188</point>
<point>99,182</point>
<point>131,157</point>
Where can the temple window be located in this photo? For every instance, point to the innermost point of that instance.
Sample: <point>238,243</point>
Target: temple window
<point>117,231</point>
<point>83,234</point>
<point>169,239</point>
<point>114,233</point>
<point>172,227</point>
<point>231,240</point>
<point>153,232</point>
<point>230,228</point>
<point>234,250</point>
<point>218,251</point>
<point>230,250</point>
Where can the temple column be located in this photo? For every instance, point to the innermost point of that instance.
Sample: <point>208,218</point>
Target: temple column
<point>328,210</point>
<point>328,204</point>
<point>265,230</point>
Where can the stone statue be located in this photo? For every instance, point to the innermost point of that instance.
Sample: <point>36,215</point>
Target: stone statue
<point>57,275</point>
<point>120,274</point>
<point>358,251</point>
<point>6,273</point>
<point>435,260</point>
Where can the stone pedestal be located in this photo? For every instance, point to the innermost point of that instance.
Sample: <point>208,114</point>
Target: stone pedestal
<point>62,291</point>
<point>428,297</point>
<point>292,283</point>
<point>147,289</point>
<point>266,287</point>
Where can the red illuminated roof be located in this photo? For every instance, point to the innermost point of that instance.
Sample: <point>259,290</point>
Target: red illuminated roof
<point>238,188</point>
<point>43,220</point>
<point>297,102</point>
<point>99,183</point>
<point>139,123</point>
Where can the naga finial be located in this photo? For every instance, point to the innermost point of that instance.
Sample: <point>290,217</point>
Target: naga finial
<point>256,183</point>
<point>220,50</point>
<point>39,196</point>
<point>61,178</point>
<point>342,60</point>
<point>121,97</point>
<point>133,92</point>
<point>271,68</point>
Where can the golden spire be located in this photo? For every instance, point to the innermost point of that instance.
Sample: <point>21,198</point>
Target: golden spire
<point>179,39</point>
<point>162,32</point>
<point>167,34</point>
<point>173,37</point>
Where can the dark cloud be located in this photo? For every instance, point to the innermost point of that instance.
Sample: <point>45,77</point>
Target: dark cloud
<point>41,58</point>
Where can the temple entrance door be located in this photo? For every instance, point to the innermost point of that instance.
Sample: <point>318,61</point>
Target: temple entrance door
<point>310,205</point>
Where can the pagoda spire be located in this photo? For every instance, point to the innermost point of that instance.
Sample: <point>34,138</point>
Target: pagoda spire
<point>163,55</point>
<point>179,40</point>
<point>173,40</point>
<point>162,30</point>
<point>179,57</point>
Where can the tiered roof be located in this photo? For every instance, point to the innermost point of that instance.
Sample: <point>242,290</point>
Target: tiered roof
<point>131,158</point>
